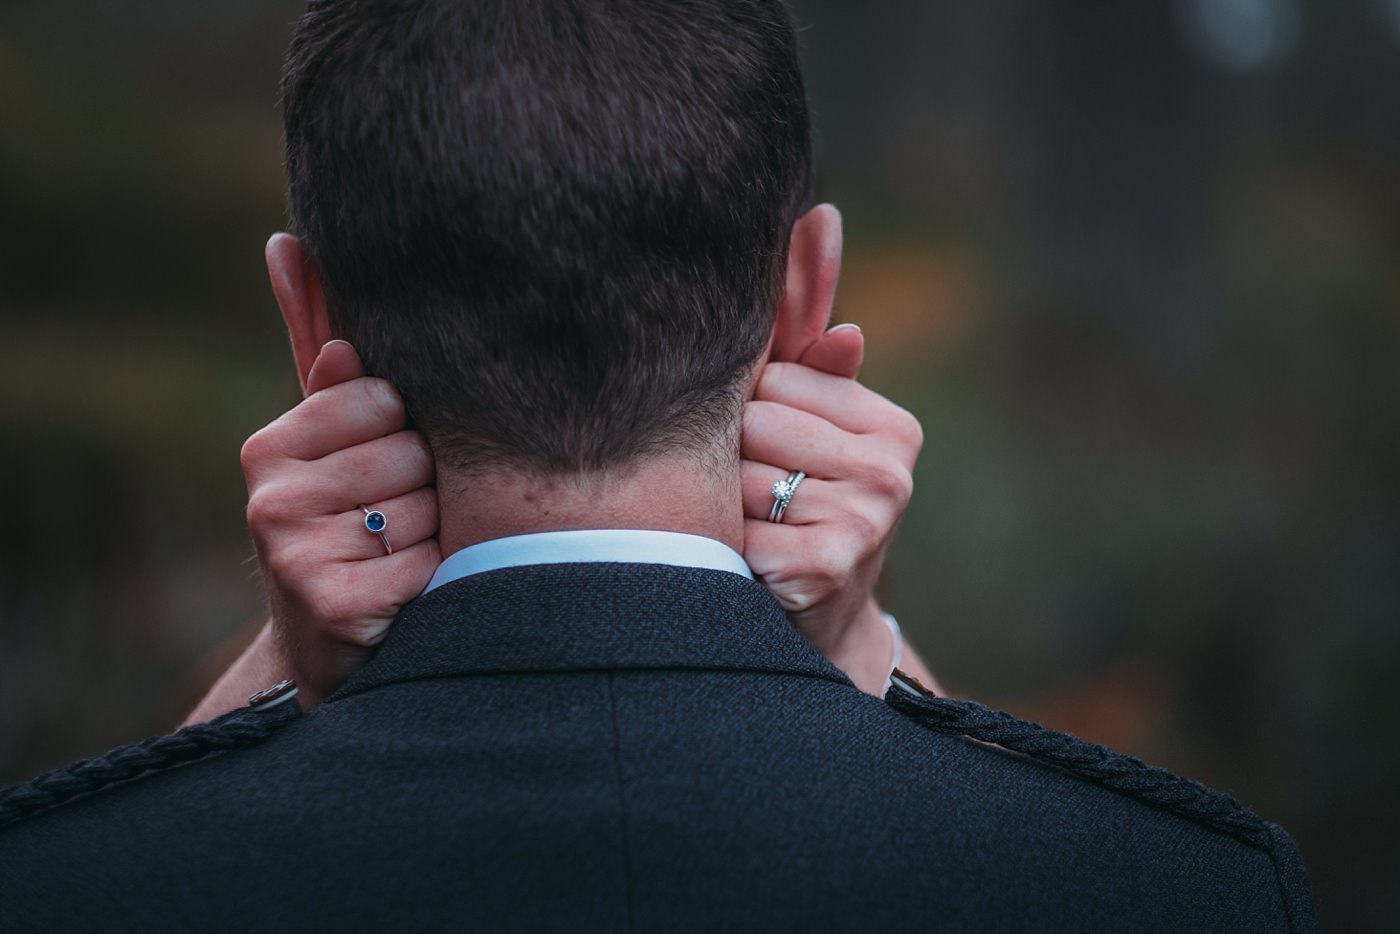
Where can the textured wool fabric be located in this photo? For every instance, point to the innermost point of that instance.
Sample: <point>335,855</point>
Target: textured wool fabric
<point>607,747</point>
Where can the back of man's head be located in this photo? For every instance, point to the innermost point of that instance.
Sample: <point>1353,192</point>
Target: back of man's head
<point>559,226</point>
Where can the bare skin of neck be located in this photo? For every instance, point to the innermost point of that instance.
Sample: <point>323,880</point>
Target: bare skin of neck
<point>674,493</point>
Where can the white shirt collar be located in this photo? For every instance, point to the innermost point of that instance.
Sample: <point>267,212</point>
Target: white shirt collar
<point>636,546</point>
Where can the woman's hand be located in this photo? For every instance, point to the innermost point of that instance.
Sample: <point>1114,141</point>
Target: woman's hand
<point>331,587</point>
<point>858,451</point>
<point>333,592</point>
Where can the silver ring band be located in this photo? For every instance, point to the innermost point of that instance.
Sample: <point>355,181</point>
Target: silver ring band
<point>783,491</point>
<point>376,522</point>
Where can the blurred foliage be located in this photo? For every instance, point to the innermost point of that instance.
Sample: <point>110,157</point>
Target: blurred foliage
<point>1135,266</point>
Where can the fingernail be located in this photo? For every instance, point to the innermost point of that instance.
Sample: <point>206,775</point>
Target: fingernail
<point>838,327</point>
<point>336,341</point>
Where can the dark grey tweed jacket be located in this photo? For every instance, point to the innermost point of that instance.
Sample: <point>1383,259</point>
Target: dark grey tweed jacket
<point>598,747</point>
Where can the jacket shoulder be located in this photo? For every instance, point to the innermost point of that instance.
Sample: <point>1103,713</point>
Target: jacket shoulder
<point>1156,787</point>
<point>267,711</point>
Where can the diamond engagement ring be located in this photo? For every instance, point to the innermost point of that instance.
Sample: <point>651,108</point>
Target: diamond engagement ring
<point>377,522</point>
<point>783,492</point>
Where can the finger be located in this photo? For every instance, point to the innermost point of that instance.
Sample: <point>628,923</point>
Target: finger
<point>769,546</point>
<point>840,352</point>
<point>299,493</point>
<point>379,589</point>
<point>841,401</point>
<point>400,577</point>
<point>375,470</point>
<point>781,556</point>
<point>807,505</point>
<point>791,439</point>
<point>336,418</point>
<point>337,363</point>
<point>411,518</point>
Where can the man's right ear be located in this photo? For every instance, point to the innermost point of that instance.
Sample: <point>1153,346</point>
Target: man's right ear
<point>297,286</point>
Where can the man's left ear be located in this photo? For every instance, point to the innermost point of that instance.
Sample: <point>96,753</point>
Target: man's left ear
<point>814,266</point>
<point>297,286</point>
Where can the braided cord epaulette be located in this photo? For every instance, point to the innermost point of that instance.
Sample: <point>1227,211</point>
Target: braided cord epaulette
<point>1099,764</point>
<point>245,726</point>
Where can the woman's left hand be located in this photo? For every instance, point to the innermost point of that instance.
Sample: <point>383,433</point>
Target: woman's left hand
<point>858,451</point>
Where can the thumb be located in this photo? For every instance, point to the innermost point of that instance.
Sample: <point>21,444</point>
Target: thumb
<point>840,351</point>
<point>338,362</point>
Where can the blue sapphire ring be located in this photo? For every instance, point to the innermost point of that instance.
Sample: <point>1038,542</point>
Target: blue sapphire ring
<point>377,522</point>
<point>783,492</point>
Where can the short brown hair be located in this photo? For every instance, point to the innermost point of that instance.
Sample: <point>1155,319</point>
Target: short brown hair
<point>559,226</point>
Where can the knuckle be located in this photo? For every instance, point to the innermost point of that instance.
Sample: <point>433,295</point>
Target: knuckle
<point>887,478</point>
<point>285,567</point>
<point>903,488</point>
<point>270,505</point>
<point>866,529</point>
<point>914,431</point>
<point>384,402</point>
<point>759,420</point>
<point>772,377</point>
<point>258,449</point>
<point>749,419</point>
<point>419,443</point>
<point>353,630</point>
<point>258,513</point>
<point>798,601</point>
<point>365,633</point>
<point>810,577</point>
<point>906,427</point>
<point>831,570</point>
<point>412,451</point>
<point>800,592</point>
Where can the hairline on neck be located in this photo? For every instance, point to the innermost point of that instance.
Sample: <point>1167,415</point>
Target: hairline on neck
<point>678,490</point>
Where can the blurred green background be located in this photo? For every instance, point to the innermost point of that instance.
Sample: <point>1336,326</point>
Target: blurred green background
<point>1136,266</point>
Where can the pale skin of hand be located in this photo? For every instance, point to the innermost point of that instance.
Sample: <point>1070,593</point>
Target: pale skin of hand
<point>858,451</point>
<point>333,593</point>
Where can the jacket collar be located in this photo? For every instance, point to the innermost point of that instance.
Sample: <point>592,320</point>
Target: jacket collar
<point>591,617</point>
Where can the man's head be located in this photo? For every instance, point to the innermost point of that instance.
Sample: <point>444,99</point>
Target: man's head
<point>560,227</point>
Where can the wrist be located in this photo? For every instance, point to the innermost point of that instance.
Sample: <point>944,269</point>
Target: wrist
<point>319,661</point>
<point>867,649</point>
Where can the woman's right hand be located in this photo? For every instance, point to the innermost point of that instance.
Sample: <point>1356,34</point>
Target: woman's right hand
<point>332,588</point>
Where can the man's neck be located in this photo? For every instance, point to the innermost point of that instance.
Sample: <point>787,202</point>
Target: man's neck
<point>672,494</point>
